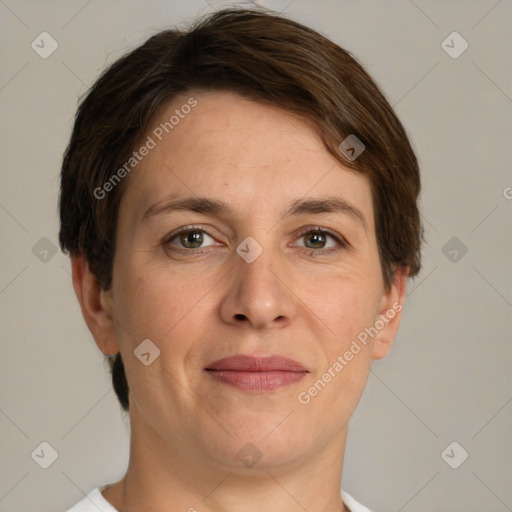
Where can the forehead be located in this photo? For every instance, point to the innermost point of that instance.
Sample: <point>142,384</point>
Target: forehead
<point>248,154</point>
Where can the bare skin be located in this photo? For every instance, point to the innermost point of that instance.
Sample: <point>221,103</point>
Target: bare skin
<point>303,297</point>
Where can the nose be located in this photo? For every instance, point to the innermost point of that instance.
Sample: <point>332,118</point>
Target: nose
<point>258,293</point>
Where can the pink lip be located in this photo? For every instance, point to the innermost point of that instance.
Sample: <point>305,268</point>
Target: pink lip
<point>256,374</point>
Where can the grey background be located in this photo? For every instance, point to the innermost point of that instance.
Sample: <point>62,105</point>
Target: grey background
<point>448,376</point>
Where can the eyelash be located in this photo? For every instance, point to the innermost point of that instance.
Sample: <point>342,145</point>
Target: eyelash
<point>342,243</point>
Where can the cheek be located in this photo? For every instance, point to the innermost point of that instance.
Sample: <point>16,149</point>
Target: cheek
<point>346,306</point>
<point>349,309</point>
<point>150,300</point>
<point>159,304</point>
<point>151,304</point>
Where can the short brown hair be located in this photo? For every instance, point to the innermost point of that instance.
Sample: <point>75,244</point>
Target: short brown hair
<point>264,57</point>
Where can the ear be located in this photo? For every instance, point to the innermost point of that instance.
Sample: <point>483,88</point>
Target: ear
<point>96,305</point>
<point>390,313</point>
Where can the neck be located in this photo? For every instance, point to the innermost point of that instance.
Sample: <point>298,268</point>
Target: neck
<point>162,478</point>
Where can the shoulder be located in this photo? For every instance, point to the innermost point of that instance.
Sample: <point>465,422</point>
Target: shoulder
<point>351,503</point>
<point>93,502</point>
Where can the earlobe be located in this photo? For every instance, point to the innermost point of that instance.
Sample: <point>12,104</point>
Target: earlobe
<point>96,305</point>
<point>390,314</point>
<point>381,347</point>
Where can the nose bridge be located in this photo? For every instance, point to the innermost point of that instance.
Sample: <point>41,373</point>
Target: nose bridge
<point>255,291</point>
<point>255,262</point>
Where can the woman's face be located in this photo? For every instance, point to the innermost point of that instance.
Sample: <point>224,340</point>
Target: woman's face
<point>249,278</point>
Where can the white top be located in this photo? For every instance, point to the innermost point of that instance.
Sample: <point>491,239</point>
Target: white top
<point>95,502</point>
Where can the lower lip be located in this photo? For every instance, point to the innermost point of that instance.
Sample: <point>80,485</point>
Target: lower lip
<point>257,381</point>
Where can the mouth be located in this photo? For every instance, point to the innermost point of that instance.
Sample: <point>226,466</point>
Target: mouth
<point>256,374</point>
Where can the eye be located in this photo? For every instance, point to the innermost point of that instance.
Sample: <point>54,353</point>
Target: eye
<point>317,238</point>
<point>188,239</point>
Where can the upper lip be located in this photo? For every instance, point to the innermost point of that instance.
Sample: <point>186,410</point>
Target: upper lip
<point>249,363</point>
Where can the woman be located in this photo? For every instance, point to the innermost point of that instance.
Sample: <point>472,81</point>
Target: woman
<point>239,202</point>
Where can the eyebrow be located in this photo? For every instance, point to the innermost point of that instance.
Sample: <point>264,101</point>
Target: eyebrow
<point>206,205</point>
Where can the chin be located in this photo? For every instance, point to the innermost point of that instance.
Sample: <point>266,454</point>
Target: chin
<point>258,448</point>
